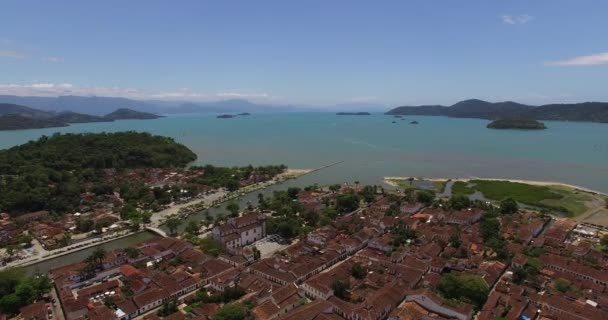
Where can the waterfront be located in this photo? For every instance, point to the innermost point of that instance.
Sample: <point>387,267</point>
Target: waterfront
<point>368,148</point>
<point>373,147</point>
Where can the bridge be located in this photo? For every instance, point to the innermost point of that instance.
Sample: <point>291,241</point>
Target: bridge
<point>158,231</point>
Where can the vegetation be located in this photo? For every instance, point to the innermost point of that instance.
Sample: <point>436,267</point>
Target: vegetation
<point>231,312</point>
<point>473,108</point>
<point>527,124</point>
<point>461,188</point>
<point>341,289</point>
<point>19,122</point>
<point>557,198</point>
<point>357,271</point>
<point>225,177</point>
<point>211,247</point>
<point>18,290</point>
<point>124,113</point>
<point>464,287</point>
<point>68,162</point>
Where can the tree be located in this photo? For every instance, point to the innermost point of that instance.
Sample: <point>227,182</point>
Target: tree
<point>211,247</point>
<point>231,312</point>
<point>135,222</point>
<point>562,285</point>
<point>340,289</point>
<point>347,202</point>
<point>465,287</point>
<point>293,192</point>
<point>96,257</point>
<point>24,239</point>
<point>173,224</point>
<point>84,225</point>
<point>425,196</point>
<point>192,227</point>
<point>358,271</point>
<point>334,188</point>
<point>132,252</point>
<point>508,206</point>
<point>233,207</point>
<point>459,202</point>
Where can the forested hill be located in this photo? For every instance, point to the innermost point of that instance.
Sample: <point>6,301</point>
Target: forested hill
<point>587,111</point>
<point>50,173</point>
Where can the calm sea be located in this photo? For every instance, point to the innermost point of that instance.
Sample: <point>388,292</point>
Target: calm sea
<point>372,146</point>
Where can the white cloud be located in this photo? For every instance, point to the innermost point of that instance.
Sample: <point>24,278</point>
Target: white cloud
<point>516,19</point>
<point>44,89</point>
<point>52,59</point>
<point>12,54</point>
<point>590,60</point>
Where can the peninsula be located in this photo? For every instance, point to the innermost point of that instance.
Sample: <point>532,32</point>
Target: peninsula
<point>525,124</point>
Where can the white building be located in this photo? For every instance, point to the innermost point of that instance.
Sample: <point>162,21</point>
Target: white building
<point>241,231</point>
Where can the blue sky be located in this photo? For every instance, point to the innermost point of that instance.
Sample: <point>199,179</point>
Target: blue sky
<point>308,52</point>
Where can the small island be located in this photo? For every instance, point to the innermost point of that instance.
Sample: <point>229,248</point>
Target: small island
<point>414,122</point>
<point>244,114</point>
<point>353,113</point>
<point>226,116</point>
<point>525,124</point>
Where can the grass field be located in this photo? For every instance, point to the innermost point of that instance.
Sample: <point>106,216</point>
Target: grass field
<point>555,197</point>
<point>460,188</point>
<point>439,186</point>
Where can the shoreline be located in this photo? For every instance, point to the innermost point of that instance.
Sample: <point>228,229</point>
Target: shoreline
<point>389,181</point>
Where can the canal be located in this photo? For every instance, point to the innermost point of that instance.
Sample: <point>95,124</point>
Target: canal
<point>47,265</point>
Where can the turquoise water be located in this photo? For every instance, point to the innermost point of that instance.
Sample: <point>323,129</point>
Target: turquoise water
<point>372,146</point>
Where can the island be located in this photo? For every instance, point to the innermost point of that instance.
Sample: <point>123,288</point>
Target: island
<point>128,114</point>
<point>226,116</point>
<point>244,114</point>
<point>414,122</point>
<point>353,113</point>
<point>524,124</point>
<point>475,108</point>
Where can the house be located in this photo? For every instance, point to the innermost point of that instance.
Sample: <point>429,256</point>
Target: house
<point>432,302</point>
<point>241,231</point>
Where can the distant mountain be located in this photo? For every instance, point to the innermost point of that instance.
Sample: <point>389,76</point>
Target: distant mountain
<point>13,121</point>
<point>587,111</point>
<point>16,117</point>
<point>232,105</point>
<point>73,117</point>
<point>124,114</point>
<point>6,108</point>
<point>89,105</point>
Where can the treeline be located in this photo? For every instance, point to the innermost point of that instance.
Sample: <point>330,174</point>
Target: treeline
<point>230,177</point>
<point>51,172</point>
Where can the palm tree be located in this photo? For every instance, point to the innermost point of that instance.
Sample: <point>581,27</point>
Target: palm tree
<point>97,256</point>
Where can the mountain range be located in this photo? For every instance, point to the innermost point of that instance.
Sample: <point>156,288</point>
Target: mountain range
<point>16,117</point>
<point>474,108</point>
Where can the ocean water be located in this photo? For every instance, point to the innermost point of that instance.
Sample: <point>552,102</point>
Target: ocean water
<point>371,147</point>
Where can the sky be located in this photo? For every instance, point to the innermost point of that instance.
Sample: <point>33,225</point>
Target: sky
<point>308,52</point>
